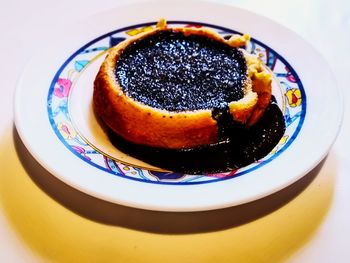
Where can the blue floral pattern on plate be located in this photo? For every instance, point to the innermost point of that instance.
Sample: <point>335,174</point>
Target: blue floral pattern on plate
<point>293,106</point>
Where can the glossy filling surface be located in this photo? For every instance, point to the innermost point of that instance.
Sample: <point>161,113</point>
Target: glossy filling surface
<point>174,72</point>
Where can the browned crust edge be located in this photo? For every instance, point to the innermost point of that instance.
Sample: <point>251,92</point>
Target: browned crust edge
<point>142,124</point>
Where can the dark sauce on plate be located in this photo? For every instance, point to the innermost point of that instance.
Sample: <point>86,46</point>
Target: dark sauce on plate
<point>240,146</point>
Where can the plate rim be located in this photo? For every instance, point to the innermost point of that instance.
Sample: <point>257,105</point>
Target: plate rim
<point>28,145</point>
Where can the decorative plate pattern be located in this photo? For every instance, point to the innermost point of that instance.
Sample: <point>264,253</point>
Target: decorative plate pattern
<point>288,90</point>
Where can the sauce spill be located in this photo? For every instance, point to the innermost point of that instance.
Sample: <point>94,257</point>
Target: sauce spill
<point>240,146</point>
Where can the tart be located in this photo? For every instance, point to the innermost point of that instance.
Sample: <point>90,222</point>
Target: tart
<point>180,87</point>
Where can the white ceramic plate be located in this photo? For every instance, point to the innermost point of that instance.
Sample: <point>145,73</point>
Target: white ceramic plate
<point>54,117</point>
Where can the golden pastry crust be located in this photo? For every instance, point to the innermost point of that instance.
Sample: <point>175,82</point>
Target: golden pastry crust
<point>142,124</point>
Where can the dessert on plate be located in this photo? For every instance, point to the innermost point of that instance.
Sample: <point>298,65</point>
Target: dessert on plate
<point>176,89</point>
<point>168,87</point>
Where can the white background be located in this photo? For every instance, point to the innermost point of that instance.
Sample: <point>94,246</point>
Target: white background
<point>25,26</point>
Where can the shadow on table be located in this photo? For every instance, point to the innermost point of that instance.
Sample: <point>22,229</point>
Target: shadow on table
<point>153,221</point>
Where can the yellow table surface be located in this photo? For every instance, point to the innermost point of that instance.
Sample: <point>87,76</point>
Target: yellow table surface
<point>64,225</point>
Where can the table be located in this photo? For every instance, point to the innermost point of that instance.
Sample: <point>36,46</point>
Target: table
<point>42,219</point>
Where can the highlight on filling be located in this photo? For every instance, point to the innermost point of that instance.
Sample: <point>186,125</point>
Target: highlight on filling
<point>175,72</point>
